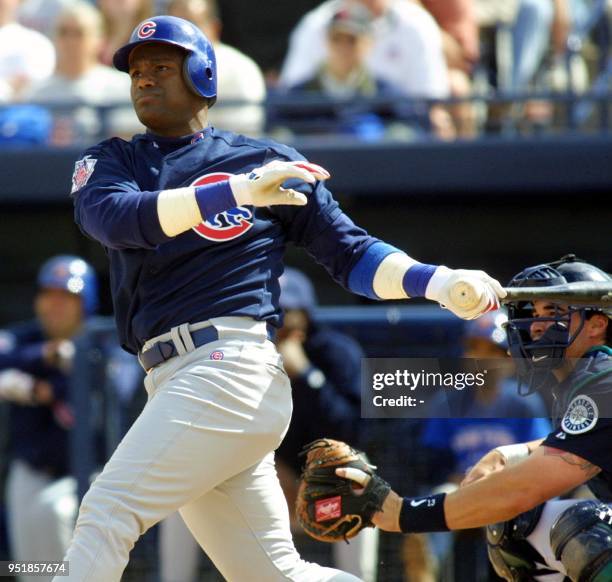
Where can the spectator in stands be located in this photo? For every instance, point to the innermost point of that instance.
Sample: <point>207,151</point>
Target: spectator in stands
<point>343,72</point>
<point>540,26</point>
<point>120,18</point>
<point>407,52</point>
<point>460,43</point>
<point>35,361</point>
<point>537,38</point>
<point>343,75</point>
<point>80,79</point>
<point>41,15</point>
<point>492,417</point>
<point>25,55</point>
<point>240,79</point>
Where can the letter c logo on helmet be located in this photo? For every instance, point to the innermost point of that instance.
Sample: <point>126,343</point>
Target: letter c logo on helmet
<point>146,29</point>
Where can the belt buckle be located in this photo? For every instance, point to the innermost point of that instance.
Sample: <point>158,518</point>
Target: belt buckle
<point>163,350</point>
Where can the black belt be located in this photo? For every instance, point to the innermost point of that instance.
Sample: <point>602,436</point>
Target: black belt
<point>161,351</point>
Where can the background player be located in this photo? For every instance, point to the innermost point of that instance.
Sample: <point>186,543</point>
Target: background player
<point>195,222</point>
<point>569,347</point>
<point>34,380</point>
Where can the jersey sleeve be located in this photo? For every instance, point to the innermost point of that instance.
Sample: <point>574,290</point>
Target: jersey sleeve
<point>109,205</point>
<point>593,446</point>
<point>586,427</point>
<point>327,234</point>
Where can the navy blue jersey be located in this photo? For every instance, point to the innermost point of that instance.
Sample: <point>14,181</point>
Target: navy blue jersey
<point>37,434</point>
<point>228,266</point>
<point>584,423</point>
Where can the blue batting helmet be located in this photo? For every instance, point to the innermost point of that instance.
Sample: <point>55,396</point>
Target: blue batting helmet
<point>489,327</point>
<point>73,274</point>
<point>297,291</point>
<point>200,67</point>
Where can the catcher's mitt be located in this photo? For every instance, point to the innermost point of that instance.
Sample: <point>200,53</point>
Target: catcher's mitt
<point>331,508</point>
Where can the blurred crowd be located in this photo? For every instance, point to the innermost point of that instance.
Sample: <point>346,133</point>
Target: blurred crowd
<point>366,68</point>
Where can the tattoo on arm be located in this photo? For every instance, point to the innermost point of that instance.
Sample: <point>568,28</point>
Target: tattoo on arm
<point>589,468</point>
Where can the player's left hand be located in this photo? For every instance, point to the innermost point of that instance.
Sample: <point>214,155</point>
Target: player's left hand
<point>488,290</point>
<point>492,462</point>
<point>263,186</point>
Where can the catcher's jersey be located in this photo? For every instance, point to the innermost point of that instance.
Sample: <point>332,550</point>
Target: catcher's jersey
<point>228,266</point>
<point>584,424</point>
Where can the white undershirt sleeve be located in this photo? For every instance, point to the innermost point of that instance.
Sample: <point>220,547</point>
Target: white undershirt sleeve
<point>389,277</point>
<point>178,210</point>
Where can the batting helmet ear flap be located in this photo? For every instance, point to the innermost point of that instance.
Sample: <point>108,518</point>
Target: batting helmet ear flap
<point>199,72</point>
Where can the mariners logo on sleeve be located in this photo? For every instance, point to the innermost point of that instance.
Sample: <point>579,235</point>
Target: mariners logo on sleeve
<point>226,225</point>
<point>83,169</point>
<point>581,415</point>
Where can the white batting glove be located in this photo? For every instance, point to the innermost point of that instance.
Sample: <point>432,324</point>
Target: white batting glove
<point>16,386</point>
<point>488,291</point>
<point>263,186</point>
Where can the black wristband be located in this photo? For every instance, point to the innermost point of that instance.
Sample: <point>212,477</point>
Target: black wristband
<point>423,514</point>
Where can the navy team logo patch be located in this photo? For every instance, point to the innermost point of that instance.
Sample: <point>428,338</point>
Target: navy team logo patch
<point>581,415</point>
<point>226,225</point>
<point>83,169</point>
<point>147,29</point>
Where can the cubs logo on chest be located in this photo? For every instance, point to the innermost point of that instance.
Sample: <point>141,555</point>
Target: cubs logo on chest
<point>226,225</point>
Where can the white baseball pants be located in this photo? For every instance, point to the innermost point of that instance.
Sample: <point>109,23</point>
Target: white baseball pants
<point>179,553</point>
<point>203,443</point>
<point>41,515</point>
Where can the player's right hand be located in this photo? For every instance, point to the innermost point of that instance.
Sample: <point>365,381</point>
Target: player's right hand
<point>16,386</point>
<point>492,462</point>
<point>263,186</point>
<point>488,291</point>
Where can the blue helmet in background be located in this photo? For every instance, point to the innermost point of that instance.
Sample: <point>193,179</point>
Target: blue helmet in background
<point>490,327</point>
<point>200,67</point>
<point>297,291</point>
<point>73,274</point>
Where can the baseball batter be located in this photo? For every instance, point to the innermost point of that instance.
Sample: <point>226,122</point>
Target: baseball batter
<point>195,223</point>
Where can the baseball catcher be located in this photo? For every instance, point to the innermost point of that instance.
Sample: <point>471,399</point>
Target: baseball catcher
<point>328,507</point>
<point>512,489</point>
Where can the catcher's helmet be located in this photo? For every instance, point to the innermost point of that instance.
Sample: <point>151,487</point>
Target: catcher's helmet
<point>200,67</point>
<point>73,274</point>
<point>534,357</point>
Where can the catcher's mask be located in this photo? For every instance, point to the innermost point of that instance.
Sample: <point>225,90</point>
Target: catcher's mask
<point>536,355</point>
